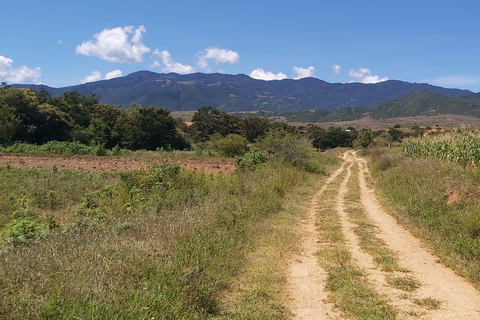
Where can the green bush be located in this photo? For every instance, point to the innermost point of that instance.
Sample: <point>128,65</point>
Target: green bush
<point>287,147</point>
<point>22,229</point>
<point>253,158</point>
<point>232,145</point>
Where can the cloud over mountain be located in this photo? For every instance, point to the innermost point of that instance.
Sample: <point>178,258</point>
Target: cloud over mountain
<point>364,75</point>
<point>303,72</point>
<point>261,74</point>
<point>116,45</point>
<point>169,64</point>
<point>216,55</point>
<point>21,74</point>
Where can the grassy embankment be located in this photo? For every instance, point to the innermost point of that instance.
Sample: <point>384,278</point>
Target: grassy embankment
<point>436,199</point>
<point>162,242</point>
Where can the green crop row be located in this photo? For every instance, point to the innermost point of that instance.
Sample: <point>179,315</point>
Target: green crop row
<point>462,148</point>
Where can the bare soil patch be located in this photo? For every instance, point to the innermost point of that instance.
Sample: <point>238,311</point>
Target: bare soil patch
<point>109,164</point>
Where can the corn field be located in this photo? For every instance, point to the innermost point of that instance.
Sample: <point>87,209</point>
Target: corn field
<point>462,148</point>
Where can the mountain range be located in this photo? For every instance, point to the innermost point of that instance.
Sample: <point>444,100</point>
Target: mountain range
<point>242,93</point>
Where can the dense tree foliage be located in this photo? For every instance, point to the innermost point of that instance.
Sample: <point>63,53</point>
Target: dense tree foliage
<point>208,121</point>
<point>37,117</point>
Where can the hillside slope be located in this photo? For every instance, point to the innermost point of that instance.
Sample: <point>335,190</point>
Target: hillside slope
<point>242,93</point>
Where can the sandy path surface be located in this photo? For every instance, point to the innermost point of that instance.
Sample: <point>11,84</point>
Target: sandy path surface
<point>306,280</point>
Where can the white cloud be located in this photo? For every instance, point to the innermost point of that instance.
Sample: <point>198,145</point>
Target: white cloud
<point>364,75</point>
<point>217,55</point>
<point>22,74</point>
<point>336,68</point>
<point>303,73</point>
<point>95,76</point>
<point>116,45</point>
<point>261,74</point>
<point>155,64</point>
<point>170,65</point>
<point>113,74</point>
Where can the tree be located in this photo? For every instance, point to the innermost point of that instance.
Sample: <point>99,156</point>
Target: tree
<point>80,107</point>
<point>54,124</point>
<point>232,145</point>
<point>396,133</point>
<point>208,121</point>
<point>21,107</point>
<point>364,139</point>
<point>147,128</point>
<point>316,135</point>
<point>289,147</point>
<point>254,128</point>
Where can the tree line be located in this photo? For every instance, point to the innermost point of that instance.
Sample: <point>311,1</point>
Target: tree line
<point>37,117</point>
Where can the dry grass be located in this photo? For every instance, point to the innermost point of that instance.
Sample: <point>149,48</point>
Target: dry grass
<point>160,242</point>
<point>417,190</point>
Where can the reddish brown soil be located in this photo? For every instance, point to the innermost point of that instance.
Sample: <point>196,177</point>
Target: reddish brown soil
<point>110,165</point>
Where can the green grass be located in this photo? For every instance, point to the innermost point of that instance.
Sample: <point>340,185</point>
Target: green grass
<point>161,242</point>
<point>405,283</point>
<point>61,148</point>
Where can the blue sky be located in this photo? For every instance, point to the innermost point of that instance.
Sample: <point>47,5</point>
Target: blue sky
<point>62,43</point>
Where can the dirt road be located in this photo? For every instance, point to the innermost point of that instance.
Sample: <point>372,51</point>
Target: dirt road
<point>421,288</point>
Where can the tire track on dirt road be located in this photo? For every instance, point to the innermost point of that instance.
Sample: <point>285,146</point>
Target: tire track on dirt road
<point>306,280</point>
<point>459,298</point>
<point>375,276</point>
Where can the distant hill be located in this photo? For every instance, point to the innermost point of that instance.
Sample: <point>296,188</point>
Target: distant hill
<point>426,103</point>
<point>242,93</point>
<point>419,103</point>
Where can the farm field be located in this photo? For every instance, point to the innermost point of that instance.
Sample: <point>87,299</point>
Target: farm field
<point>285,244</point>
<point>112,164</point>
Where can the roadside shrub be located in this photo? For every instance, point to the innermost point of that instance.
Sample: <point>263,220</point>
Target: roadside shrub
<point>311,166</point>
<point>253,158</point>
<point>383,160</point>
<point>232,145</point>
<point>288,147</point>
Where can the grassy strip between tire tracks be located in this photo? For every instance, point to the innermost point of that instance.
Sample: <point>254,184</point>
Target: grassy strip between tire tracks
<point>350,290</point>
